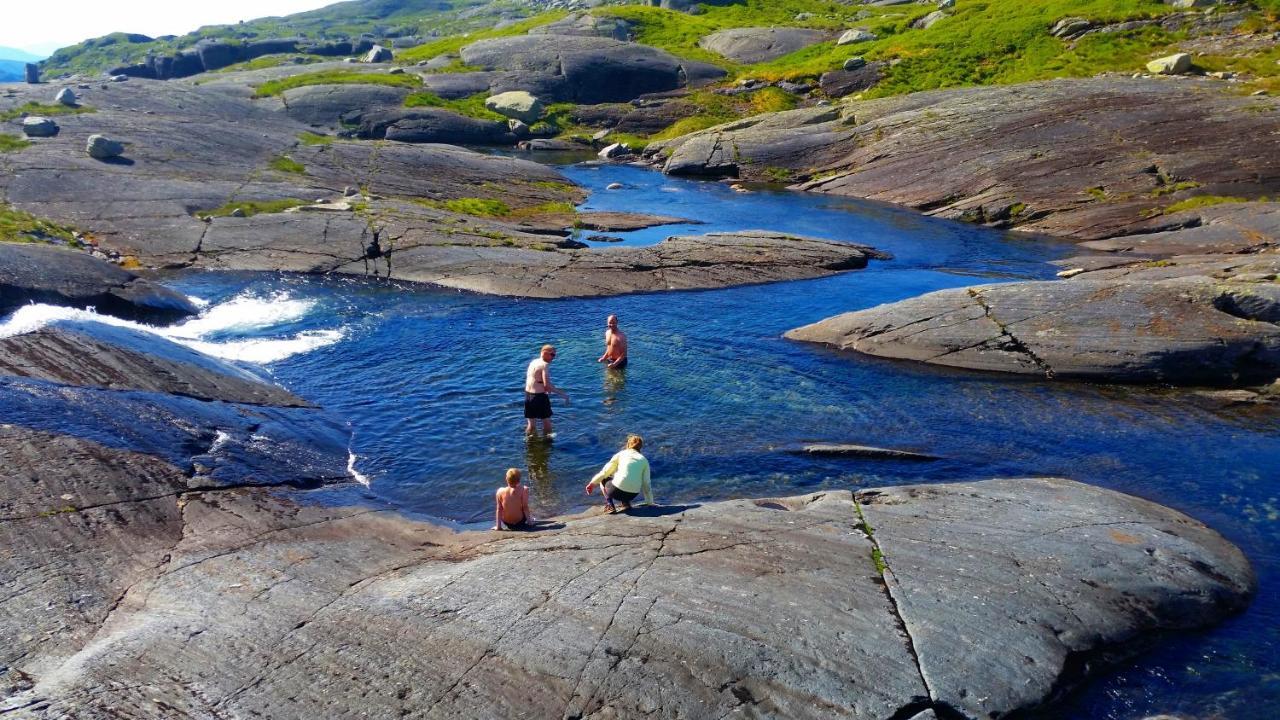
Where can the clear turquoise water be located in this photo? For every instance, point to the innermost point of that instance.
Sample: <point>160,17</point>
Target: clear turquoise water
<point>430,381</point>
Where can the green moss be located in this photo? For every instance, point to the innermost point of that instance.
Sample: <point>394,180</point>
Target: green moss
<point>480,207</point>
<point>336,77</point>
<point>284,163</point>
<point>1200,201</point>
<point>1098,193</point>
<point>453,44</point>
<point>547,208</point>
<point>310,138</point>
<point>19,226</point>
<point>779,174</point>
<point>254,207</point>
<point>12,143</point>
<point>1172,187</point>
<point>41,109</point>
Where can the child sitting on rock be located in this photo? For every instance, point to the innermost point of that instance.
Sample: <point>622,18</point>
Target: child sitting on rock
<point>512,511</point>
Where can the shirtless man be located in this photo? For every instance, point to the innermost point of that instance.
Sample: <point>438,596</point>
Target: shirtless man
<point>537,389</point>
<point>615,345</point>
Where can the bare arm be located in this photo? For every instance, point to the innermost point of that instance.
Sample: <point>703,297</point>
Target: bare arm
<point>551,388</point>
<point>524,505</point>
<point>497,513</point>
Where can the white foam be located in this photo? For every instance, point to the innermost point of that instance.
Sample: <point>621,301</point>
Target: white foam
<point>353,472</point>
<point>243,313</point>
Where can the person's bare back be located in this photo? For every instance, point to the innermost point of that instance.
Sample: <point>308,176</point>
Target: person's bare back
<point>615,345</point>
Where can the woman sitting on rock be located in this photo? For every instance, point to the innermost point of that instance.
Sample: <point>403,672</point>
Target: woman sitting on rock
<point>628,473</point>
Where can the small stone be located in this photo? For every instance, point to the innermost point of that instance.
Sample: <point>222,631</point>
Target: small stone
<point>100,147</point>
<point>601,135</point>
<point>1175,64</point>
<point>237,213</point>
<point>739,188</point>
<point>39,127</point>
<point>854,62</point>
<point>118,78</point>
<point>927,21</point>
<point>1258,93</point>
<point>349,191</point>
<point>518,128</point>
<point>1070,273</point>
<point>66,96</point>
<point>396,71</point>
<point>613,186</point>
<point>946,4</point>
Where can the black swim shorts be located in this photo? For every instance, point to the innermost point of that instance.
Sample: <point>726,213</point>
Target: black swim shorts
<point>537,406</point>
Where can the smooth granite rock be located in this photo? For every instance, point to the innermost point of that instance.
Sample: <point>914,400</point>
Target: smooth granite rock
<point>1175,331</point>
<point>32,273</point>
<point>761,44</point>
<point>329,105</point>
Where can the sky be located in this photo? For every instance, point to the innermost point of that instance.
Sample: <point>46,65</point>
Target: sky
<point>39,28</point>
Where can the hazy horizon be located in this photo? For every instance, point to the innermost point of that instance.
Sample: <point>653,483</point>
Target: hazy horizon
<point>34,31</point>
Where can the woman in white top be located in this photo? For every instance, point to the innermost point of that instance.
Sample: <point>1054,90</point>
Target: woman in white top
<point>625,476</point>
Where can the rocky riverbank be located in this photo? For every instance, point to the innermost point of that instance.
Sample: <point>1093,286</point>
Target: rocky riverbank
<point>183,538</point>
<point>1165,182</point>
<point>258,190</point>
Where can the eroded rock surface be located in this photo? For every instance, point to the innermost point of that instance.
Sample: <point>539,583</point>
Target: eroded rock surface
<point>1173,331</point>
<point>172,556</point>
<point>44,274</point>
<point>761,44</point>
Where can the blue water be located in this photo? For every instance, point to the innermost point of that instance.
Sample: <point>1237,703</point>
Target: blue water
<point>430,381</point>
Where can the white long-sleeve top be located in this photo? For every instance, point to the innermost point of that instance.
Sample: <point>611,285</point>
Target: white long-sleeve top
<point>630,472</point>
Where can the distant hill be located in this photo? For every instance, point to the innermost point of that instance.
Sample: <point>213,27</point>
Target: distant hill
<point>12,70</point>
<point>8,53</point>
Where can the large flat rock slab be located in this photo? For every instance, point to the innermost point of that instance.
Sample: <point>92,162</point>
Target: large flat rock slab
<point>1183,331</point>
<point>1039,578</point>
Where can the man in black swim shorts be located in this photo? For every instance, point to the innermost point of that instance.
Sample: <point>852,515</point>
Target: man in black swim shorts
<point>537,391</point>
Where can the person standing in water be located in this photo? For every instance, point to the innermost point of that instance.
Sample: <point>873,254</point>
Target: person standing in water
<point>537,391</point>
<point>625,476</point>
<point>512,504</point>
<point>615,345</point>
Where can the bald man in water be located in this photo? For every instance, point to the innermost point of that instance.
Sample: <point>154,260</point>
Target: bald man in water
<point>615,345</point>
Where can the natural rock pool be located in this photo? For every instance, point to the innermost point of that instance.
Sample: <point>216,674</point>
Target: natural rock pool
<point>430,381</point>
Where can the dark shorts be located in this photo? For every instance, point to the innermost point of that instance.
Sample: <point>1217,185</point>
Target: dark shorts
<point>622,364</point>
<point>537,406</point>
<point>617,495</point>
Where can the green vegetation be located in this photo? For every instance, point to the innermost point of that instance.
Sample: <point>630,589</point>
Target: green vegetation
<point>19,226</point>
<point>310,138</point>
<point>1200,201</point>
<point>480,207</point>
<point>471,106</point>
<point>250,208</point>
<point>12,143</point>
<point>284,163</point>
<point>41,109</point>
<point>454,43</point>
<point>336,77</point>
<point>270,61</point>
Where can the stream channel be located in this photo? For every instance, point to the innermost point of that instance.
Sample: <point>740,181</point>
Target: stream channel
<point>430,381</point>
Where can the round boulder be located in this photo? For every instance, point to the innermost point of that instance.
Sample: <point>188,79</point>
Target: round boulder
<point>39,127</point>
<point>100,147</point>
<point>760,44</point>
<point>66,96</point>
<point>1175,64</point>
<point>856,35</point>
<point>516,104</point>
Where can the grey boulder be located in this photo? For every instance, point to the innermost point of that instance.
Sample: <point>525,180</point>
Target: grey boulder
<point>515,104</point>
<point>330,105</point>
<point>377,54</point>
<point>432,125</point>
<point>66,96</point>
<point>39,127</point>
<point>760,44</point>
<point>101,147</point>
<point>856,35</point>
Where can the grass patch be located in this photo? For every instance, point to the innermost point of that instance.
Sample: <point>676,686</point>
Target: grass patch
<point>470,106</point>
<point>42,109</point>
<point>310,138</point>
<point>336,77</point>
<point>480,207</point>
<point>12,143</point>
<point>284,163</point>
<point>454,43</point>
<point>254,207</point>
<point>1200,201</point>
<point>270,61</point>
<point>19,226</point>
<point>547,208</point>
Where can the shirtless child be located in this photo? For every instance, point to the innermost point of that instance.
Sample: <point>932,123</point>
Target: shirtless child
<point>615,345</point>
<point>512,504</point>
